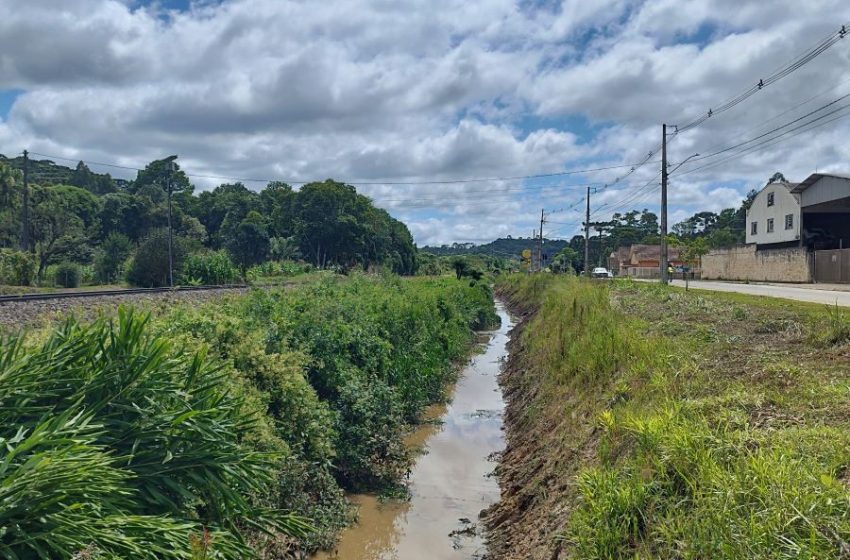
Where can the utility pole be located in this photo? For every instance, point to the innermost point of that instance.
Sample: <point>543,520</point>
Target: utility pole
<point>587,236</point>
<point>664,278</point>
<point>169,166</point>
<point>25,209</point>
<point>540,250</point>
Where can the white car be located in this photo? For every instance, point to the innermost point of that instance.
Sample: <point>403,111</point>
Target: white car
<point>601,272</point>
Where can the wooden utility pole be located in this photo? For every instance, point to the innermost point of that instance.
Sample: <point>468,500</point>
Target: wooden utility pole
<point>540,246</point>
<point>25,208</point>
<point>587,236</point>
<point>663,259</point>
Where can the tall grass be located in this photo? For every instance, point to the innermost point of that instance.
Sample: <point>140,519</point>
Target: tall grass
<point>673,466</point>
<point>116,442</point>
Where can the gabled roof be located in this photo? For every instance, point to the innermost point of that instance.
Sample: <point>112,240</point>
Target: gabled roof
<point>814,178</point>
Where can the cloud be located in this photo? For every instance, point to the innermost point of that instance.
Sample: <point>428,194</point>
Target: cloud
<point>374,91</point>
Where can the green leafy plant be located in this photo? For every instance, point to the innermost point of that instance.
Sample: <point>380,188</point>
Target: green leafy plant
<point>67,275</point>
<point>17,268</point>
<point>111,257</point>
<point>210,268</point>
<point>113,439</point>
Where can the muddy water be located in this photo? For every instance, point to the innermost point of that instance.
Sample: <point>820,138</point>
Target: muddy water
<point>450,483</point>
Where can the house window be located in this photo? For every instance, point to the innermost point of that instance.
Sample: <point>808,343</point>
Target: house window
<point>754,228</point>
<point>770,225</point>
<point>770,198</point>
<point>789,221</point>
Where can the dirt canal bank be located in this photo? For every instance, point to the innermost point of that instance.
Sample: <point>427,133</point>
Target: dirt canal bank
<point>450,483</point>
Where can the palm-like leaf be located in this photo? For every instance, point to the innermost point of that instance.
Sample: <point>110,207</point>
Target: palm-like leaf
<point>110,438</point>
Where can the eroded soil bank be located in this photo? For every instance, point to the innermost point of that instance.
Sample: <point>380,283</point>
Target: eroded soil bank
<point>451,483</point>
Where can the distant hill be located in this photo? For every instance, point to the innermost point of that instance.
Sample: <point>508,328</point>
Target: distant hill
<point>47,172</point>
<point>506,247</point>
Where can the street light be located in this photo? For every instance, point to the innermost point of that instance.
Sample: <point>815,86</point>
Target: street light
<point>664,175</point>
<point>170,166</point>
<point>683,163</point>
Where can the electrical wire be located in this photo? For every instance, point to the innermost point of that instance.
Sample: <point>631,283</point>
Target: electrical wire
<point>796,63</point>
<point>787,135</point>
<point>431,182</point>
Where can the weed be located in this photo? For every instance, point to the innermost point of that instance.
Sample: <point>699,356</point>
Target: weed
<point>708,438</point>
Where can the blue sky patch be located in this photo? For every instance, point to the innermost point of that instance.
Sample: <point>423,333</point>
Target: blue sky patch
<point>7,99</point>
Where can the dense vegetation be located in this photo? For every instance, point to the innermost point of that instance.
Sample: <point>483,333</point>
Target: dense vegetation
<point>719,432</point>
<point>122,439</point>
<point>504,247</point>
<point>91,221</point>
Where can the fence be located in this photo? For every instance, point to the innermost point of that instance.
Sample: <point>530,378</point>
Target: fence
<point>832,266</point>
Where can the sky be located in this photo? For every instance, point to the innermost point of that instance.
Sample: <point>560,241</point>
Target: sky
<point>400,98</point>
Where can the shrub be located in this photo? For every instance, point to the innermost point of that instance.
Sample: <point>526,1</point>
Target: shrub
<point>209,267</point>
<point>84,466</point>
<point>111,257</point>
<point>67,275</point>
<point>149,267</point>
<point>17,268</point>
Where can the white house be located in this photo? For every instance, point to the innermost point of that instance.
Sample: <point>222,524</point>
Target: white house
<point>814,214</point>
<point>774,215</point>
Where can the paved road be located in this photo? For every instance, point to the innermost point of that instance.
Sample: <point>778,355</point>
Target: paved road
<point>791,291</point>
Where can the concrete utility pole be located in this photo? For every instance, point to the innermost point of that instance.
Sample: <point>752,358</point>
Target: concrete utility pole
<point>664,278</point>
<point>587,236</point>
<point>169,166</point>
<point>25,208</point>
<point>540,250</point>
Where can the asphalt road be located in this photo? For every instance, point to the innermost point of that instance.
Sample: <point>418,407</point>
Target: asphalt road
<point>796,292</point>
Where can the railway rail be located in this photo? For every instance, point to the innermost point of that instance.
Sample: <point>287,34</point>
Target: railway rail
<point>115,292</point>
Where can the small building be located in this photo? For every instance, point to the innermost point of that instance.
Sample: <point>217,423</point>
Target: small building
<point>642,261</point>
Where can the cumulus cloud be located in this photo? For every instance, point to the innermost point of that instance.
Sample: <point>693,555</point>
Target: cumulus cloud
<point>372,91</point>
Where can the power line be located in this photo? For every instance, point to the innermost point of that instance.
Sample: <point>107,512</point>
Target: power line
<point>776,129</point>
<point>783,113</point>
<point>429,182</point>
<point>797,63</point>
<point>787,135</point>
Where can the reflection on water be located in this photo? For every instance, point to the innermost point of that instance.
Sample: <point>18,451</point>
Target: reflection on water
<point>449,484</point>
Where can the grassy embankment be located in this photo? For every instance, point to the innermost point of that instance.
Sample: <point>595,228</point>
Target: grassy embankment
<point>648,422</point>
<point>188,434</point>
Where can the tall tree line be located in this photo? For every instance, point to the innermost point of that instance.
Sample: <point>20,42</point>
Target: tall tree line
<point>75,214</point>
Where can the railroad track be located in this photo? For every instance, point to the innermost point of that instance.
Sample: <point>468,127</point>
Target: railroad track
<point>119,292</point>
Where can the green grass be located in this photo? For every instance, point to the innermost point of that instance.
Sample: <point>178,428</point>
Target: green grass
<point>708,425</point>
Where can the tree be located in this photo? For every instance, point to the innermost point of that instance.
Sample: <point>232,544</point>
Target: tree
<point>284,248</point>
<point>566,260</point>
<point>63,220</point>
<point>10,201</point>
<point>695,250</point>
<point>93,182</point>
<point>776,178</point>
<point>156,173</point>
<point>460,266</point>
<point>336,226</point>
<point>111,257</point>
<point>249,244</point>
<point>149,267</point>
